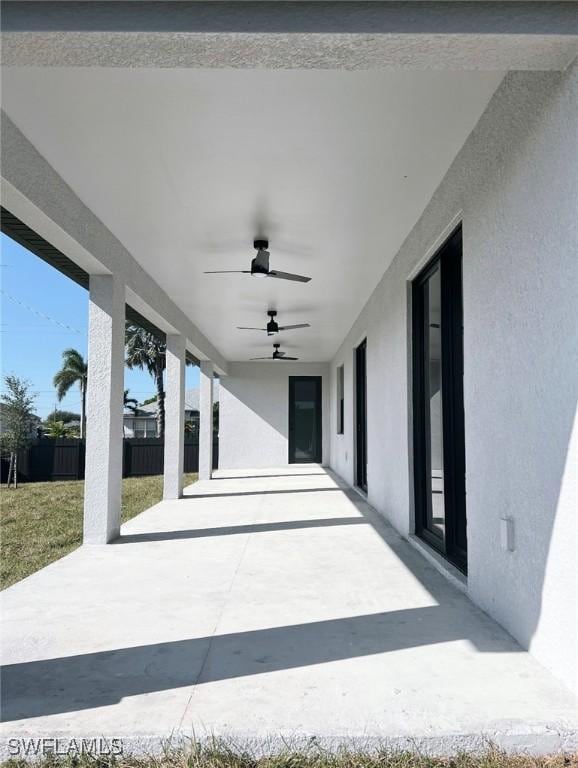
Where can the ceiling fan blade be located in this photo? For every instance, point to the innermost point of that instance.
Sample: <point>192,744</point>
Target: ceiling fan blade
<point>244,328</point>
<point>286,358</point>
<point>292,327</point>
<point>288,276</point>
<point>261,358</point>
<point>228,272</point>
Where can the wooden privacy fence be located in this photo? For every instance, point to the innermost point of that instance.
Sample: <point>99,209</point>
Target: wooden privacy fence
<point>63,459</point>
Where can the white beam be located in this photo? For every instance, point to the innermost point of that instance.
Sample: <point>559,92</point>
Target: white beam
<point>174,417</point>
<point>298,35</point>
<point>206,420</point>
<point>34,192</point>
<point>104,408</point>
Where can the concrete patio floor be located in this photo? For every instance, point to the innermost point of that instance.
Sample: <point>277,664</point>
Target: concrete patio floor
<point>267,604</point>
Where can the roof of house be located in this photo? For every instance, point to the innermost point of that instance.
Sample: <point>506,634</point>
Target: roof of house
<point>191,401</point>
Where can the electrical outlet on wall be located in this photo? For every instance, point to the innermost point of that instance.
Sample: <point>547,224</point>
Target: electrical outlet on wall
<point>507,534</point>
<point>345,455</point>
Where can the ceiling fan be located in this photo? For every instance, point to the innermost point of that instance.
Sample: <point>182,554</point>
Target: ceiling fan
<point>260,266</point>
<point>272,326</point>
<point>277,355</point>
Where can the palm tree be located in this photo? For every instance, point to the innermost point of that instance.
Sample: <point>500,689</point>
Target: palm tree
<point>56,429</point>
<point>146,351</point>
<point>74,371</point>
<point>130,403</point>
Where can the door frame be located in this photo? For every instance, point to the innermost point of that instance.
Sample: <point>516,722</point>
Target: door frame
<point>361,405</point>
<point>450,265</point>
<point>319,410</point>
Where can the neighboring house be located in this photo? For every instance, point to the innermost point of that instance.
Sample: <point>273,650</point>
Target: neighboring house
<point>143,423</point>
<point>34,423</point>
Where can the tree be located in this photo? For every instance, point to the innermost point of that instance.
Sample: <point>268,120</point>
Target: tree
<point>56,429</point>
<point>18,418</point>
<point>146,351</point>
<point>65,416</point>
<point>74,371</point>
<point>130,403</point>
<point>192,426</point>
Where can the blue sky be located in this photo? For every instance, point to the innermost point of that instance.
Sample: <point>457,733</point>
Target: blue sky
<point>44,313</point>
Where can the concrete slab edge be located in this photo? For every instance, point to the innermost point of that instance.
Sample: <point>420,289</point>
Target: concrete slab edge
<point>526,740</point>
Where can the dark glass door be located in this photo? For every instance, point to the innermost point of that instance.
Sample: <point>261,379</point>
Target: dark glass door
<point>361,414</point>
<point>439,451</point>
<point>304,419</point>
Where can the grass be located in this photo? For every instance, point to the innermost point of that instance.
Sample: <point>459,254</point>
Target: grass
<point>220,755</point>
<point>42,522</point>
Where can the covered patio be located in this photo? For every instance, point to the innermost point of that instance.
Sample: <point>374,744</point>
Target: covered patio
<point>411,171</point>
<point>267,604</point>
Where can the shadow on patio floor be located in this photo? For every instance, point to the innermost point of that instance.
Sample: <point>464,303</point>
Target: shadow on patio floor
<point>232,530</point>
<point>100,679</point>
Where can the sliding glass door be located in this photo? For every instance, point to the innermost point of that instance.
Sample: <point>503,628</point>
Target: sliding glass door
<point>439,452</point>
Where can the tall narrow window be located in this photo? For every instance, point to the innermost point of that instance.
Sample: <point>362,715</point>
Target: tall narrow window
<point>340,399</point>
<point>439,451</point>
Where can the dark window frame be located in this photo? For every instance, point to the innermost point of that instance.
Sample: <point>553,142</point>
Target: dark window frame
<point>340,399</point>
<point>361,416</point>
<point>448,260</point>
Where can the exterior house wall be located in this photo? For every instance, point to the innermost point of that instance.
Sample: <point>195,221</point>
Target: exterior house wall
<point>254,413</point>
<point>139,426</point>
<point>514,188</point>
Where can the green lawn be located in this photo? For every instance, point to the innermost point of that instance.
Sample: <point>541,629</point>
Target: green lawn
<point>41,522</point>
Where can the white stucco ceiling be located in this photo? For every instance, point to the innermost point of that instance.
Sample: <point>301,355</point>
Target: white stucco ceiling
<point>185,167</point>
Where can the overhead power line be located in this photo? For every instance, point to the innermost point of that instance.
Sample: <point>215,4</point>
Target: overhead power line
<point>38,313</point>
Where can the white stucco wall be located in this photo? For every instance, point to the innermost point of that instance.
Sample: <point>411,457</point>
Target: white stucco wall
<point>514,187</point>
<point>254,413</point>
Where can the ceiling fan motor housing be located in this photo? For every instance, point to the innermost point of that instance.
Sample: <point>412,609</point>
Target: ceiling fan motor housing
<point>260,264</point>
<point>272,326</point>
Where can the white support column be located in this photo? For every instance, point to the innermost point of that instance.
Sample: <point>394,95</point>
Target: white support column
<point>174,417</point>
<point>206,421</point>
<point>104,409</point>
